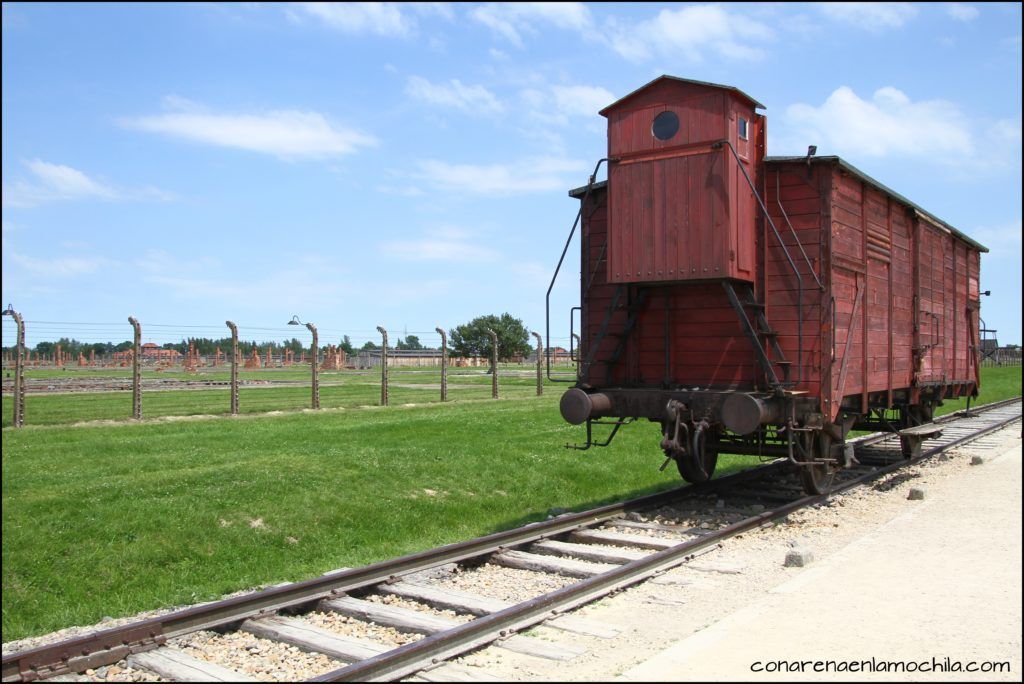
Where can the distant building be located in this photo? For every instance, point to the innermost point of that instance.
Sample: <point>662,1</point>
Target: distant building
<point>153,351</point>
<point>989,347</point>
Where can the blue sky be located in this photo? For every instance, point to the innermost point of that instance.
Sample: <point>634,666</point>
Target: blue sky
<point>407,165</point>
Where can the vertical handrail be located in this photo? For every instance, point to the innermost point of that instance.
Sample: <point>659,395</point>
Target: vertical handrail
<point>573,353</point>
<point>778,200</point>
<point>792,264</point>
<point>565,250</point>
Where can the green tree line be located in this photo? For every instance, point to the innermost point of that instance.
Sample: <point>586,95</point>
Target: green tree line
<point>470,339</point>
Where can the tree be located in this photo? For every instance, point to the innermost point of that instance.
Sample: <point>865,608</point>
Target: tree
<point>346,346</point>
<point>411,343</point>
<point>472,339</point>
<point>369,345</point>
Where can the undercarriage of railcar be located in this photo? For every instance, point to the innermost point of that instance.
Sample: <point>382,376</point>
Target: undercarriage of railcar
<point>698,425</point>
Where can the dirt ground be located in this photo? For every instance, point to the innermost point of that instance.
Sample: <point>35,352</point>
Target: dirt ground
<point>893,580</point>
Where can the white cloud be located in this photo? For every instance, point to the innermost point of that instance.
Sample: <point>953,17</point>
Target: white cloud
<point>558,104</point>
<point>581,100</point>
<point>440,9</point>
<point>54,183</point>
<point>177,103</point>
<point>1004,240</point>
<point>445,244</point>
<point>690,32</point>
<point>380,18</point>
<point>283,133</point>
<point>60,267</point>
<point>159,261</point>
<point>531,175</point>
<point>1006,132</point>
<point>873,16</point>
<point>512,20</point>
<point>889,123</point>
<point>401,190</point>
<point>961,11</point>
<point>67,182</point>
<point>308,284</point>
<point>473,99</point>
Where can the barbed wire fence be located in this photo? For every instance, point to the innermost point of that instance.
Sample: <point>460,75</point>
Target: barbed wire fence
<point>75,372</point>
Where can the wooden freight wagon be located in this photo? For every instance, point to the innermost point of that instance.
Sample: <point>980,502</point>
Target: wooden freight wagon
<point>759,305</point>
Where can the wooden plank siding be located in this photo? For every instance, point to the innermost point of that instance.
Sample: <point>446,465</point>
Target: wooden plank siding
<point>909,281</point>
<point>706,345</point>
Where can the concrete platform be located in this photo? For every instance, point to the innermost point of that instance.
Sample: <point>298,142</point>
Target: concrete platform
<point>938,586</point>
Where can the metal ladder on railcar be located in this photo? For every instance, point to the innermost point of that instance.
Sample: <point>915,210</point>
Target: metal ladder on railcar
<point>632,312</point>
<point>739,305</point>
<point>756,330</point>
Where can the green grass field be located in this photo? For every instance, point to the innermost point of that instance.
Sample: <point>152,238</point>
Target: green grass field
<point>113,519</point>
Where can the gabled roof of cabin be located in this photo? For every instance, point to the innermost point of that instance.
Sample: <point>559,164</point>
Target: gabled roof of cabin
<point>734,91</point>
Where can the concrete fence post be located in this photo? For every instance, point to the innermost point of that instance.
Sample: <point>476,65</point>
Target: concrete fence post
<point>540,351</point>
<point>136,369</point>
<point>18,408</point>
<point>444,363</point>
<point>316,367</point>
<point>383,367</point>
<point>494,363</point>
<point>234,367</point>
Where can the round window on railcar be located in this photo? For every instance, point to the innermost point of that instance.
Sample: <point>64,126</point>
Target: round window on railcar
<point>665,125</point>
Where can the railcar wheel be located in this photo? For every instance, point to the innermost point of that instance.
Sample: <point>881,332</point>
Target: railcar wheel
<point>817,479</point>
<point>698,463</point>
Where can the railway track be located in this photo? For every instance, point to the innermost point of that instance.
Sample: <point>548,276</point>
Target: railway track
<point>601,550</point>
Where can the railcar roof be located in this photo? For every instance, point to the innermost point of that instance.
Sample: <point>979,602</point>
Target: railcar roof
<point>850,168</point>
<point>733,89</point>
<point>578,193</point>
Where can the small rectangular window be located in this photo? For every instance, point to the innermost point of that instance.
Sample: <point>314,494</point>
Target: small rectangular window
<point>742,127</point>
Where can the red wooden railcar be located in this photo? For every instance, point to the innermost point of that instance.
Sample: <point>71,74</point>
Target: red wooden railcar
<point>760,305</point>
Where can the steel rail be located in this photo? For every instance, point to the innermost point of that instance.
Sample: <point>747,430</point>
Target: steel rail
<point>110,645</point>
<point>419,655</point>
<point>876,437</point>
